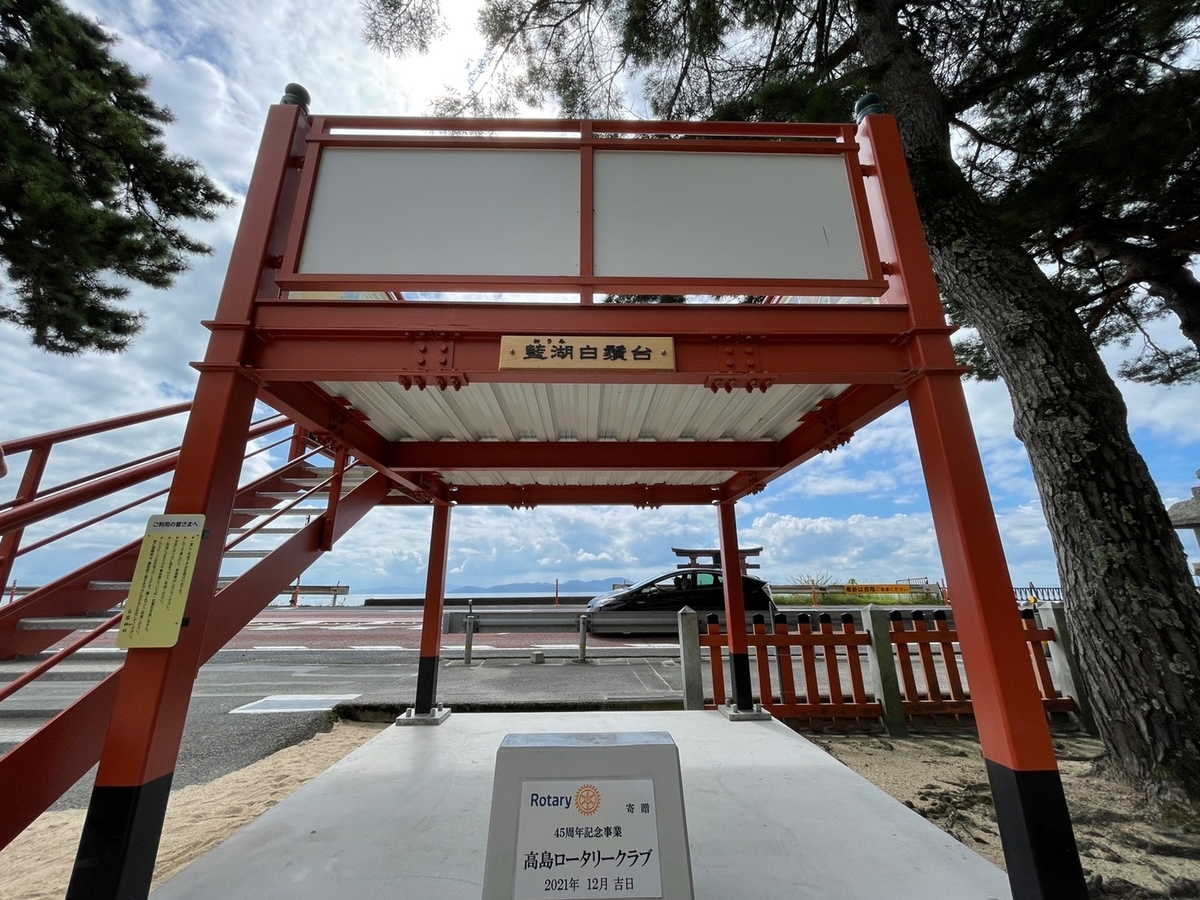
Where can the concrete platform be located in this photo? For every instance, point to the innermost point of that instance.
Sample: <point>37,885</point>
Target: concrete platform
<point>769,816</point>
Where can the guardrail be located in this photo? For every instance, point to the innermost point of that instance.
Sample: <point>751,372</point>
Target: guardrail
<point>563,619</point>
<point>463,601</point>
<point>472,622</point>
<point>468,623</point>
<point>845,643</point>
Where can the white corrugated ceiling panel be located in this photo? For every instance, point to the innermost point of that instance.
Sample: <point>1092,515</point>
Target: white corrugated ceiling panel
<point>582,412</point>
<point>588,477</point>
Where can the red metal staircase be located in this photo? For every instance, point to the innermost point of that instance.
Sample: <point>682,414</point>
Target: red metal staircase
<point>73,610</point>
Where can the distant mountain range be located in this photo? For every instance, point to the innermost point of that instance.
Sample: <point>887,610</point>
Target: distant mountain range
<point>574,586</point>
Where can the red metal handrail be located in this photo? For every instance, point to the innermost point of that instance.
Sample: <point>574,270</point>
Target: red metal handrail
<point>39,446</point>
<point>84,479</point>
<point>37,545</point>
<point>49,504</point>
<point>33,504</point>
<point>87,523</point>
<point>20,445</point>
<point>21,607</point>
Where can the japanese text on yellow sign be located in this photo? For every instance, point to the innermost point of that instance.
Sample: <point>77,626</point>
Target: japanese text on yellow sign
<point>610,353</point>
<point>877,589</point>
<point>161,579</point>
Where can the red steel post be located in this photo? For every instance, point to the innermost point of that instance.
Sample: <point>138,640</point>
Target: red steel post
<point>10,543</point>
<point>1031,810</point>
<point>431,618</point>
<point>735,608</point>
<point>299,444</point>
<point>121,833</point>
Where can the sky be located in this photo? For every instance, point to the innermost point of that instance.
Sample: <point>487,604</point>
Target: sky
<point>860,512</point>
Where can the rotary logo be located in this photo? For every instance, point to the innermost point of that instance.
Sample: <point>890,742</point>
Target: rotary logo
<point>587,800</point>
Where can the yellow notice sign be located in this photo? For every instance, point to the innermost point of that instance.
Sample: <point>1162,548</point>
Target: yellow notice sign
<point>614,354</point>
<point>876,589</point>
<point>154,610</point>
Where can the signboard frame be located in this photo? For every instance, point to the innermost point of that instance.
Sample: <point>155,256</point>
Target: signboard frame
<point>815,222</point>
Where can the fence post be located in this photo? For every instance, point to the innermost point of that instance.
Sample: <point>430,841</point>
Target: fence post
<point>783,663</point>
<point>689,658</point>
<point>1067,676</point>
<point>883,665</point>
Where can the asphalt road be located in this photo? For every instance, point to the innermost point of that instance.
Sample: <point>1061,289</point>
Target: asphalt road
<point>357,628</point>
<point>218,739</point>
<point>333,655</point>
<point>368,659</point>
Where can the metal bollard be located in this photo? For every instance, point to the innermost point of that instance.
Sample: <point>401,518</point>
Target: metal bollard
<point>583,630</point>
<point>469,630</point>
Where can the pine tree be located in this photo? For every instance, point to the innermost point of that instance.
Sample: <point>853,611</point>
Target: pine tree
<point>1094,164</point>
<point>972,77</point>
<point>90,197</point>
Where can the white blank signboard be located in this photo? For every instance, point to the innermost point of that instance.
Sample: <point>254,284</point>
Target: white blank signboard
<point>471,211</point>
<point>725,215</point>
<point>379,211</point>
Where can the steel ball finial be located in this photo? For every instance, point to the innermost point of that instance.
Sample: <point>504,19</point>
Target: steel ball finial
<point>295,95</point>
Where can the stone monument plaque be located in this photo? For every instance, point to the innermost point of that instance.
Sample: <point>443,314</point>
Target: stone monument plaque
<point>586,817</point>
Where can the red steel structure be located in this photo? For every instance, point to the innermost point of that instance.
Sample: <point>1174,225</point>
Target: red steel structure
<point>417,389</point>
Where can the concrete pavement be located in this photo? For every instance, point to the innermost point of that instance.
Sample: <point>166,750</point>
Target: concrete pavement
<point>769,816</point>
<point>514,684</point>
<point>503,692</point>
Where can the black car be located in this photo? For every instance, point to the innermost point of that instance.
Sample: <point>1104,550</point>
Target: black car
<point>701,589</point>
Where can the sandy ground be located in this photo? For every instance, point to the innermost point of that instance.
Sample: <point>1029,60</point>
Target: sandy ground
<point>1125,852</point>
<point>37,865</point>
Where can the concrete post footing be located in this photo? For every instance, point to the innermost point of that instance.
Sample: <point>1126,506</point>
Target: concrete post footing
<point>436,716</point>
<point>733,714</point>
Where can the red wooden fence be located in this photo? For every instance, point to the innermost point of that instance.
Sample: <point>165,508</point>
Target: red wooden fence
<point>930,675</point>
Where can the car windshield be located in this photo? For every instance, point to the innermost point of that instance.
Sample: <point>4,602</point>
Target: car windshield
<point>643,583</point>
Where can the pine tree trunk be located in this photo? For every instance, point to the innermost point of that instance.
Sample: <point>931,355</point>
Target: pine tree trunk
<point>1132,611</point>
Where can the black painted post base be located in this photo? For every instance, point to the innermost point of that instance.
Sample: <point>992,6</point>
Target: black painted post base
<point>427,676</point>
<point>119,842</point>
<point>1035,829</point>
<point>743,694</point>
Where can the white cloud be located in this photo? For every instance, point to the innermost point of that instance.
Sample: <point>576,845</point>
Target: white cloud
<point>582,556</point>
<point>817,485</point>
<point>866,548</point>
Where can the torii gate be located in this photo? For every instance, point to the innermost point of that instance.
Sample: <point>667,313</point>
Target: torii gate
<point>510,402</point>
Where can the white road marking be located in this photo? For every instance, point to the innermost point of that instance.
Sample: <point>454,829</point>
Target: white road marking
<point>278,703</point>
<point>283,647</point>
